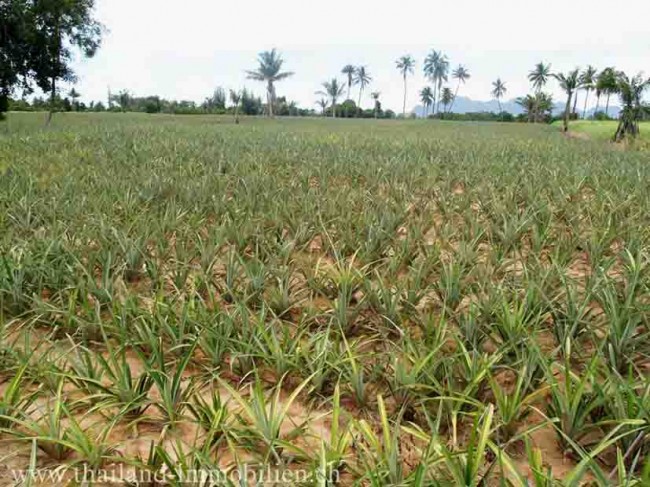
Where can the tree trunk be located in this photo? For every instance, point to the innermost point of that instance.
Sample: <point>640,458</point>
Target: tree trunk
<point>575,102</point>
<point>597,103</point>
<point>269,98</point>
<point>607,105</point>
<point>56,62</point>
<point>455,95</point>
<point>360,92</point>
<point>584,112</point>
<point>433,105</point>
<point>567,112</point>
<point>4,103</point>
<point>404,104</point>
<point>52,100</point>
<point>333,107</point>
<point>626,126</point>
<point>500,109</point>
<point>536,106</point>
<point>237,114</point>
<point>349,89</point>
<point>267,102</point>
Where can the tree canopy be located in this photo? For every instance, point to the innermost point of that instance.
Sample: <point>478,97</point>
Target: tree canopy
<point>39,38</point>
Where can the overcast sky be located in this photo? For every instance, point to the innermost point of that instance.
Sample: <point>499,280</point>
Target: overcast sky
<point>184,49</point>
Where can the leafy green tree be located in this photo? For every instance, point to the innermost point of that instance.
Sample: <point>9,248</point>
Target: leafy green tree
<point>97,107</point>
<point>406,66</point>
<point>217,102</point>
<point>588,82</point>
<point>349,109</point>
<point>150,104</point>
<point>426,97</point>
<point>334,90</point>
<point>462,75</point>
<point>569,82</point>
<point>123,99</point>
<point>59,27</point>
<point>250,104</point>
<point>607,83</point>
<point>15,41</point>
<point>363,79</point>
<point>630,91</point>
<point>74,95</point>
<point>539,76</point>
<point>498,90</point>
<point>269,71</point>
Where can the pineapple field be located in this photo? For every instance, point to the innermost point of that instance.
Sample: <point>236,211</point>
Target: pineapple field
<point>186,301</point>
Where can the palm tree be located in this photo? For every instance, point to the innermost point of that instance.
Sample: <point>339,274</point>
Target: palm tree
<point>436,67</point>
<point>461,74</point>
<point>375,96</point>
<point>527,103</point>
<point>426,97</point>
<point>363,79</point>
<point>631,92</point>
<point>269,71</point>
<point>440,73</point>
<point>607,83</point>
<point>405,65</point>
<point>498,90</point>
<point>430,63</point>
<point>235,98</point>
<point>322,103</point>
<point>446,98</point>
<point>534,104</point>
<point>293,108</point>
<point>569,82</point>
<point>334,90</point>
<point>599,93</point>
<point>539,77</point>
<point>587,80</point>
<point>349,71</point>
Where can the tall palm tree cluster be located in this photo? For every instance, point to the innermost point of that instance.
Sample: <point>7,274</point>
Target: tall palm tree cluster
<point>608,82</point>
<point>333,90</point>
<point>537,106</point>
<point>436,71</point>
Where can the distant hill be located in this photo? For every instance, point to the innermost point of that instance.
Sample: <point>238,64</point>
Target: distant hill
<point>467,105</point>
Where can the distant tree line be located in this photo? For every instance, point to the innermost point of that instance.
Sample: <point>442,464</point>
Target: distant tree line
<point>480,117</point>
<point>243,102</point>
